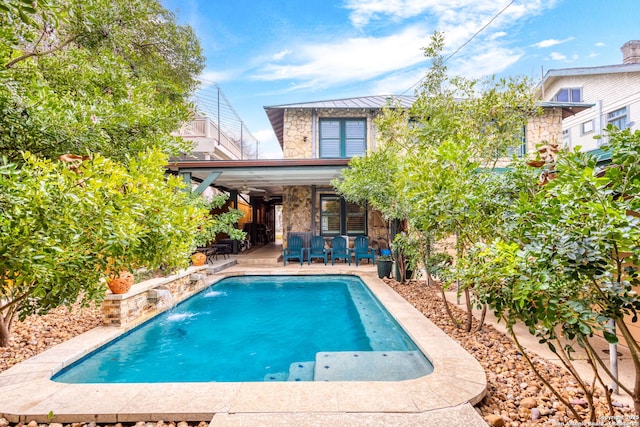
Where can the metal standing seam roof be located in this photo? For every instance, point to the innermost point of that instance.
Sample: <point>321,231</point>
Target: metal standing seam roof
<point>275,113</point>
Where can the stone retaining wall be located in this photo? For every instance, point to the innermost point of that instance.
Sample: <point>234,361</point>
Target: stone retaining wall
<point>146,299</point>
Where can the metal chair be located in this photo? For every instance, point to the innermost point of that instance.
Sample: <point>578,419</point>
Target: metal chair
<point>339,249</point>
<point>294,249</point>
<point>317,249</point>
<point>361,250</point>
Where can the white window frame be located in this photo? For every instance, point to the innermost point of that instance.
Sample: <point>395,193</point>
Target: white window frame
<point>570,91</point>
<point>620,114</point>
<point>566,137</point>
<point>587,127</point>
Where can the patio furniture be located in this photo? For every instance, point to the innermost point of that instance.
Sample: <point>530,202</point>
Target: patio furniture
<point>361,250</point>
<point>210,253</point>
<point>294,249</point>
<point>317,249</point>
<point>339,249</point>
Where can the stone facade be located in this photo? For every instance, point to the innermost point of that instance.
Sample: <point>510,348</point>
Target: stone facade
<point>300,142</point>
<point>546,128</point>
<point>298,130</point>
<point>143,302</point>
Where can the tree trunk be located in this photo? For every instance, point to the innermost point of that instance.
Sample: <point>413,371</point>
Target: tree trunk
<point>5,327</point>
<point>467,297</point>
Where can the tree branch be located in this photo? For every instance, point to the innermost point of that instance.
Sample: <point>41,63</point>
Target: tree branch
<point>34,53</point>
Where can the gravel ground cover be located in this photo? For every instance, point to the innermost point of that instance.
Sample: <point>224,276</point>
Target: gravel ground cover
<point>515,396</point>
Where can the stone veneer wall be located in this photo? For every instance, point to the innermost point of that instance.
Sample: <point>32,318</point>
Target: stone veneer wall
<point>544,128</point>
<point>142,303</point>
<point>298,144</point>
<point>296,210</point>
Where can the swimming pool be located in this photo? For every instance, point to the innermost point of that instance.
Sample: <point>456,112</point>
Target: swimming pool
<point>262,328</point>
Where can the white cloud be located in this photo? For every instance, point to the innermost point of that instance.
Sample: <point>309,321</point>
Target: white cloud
<point>600,44</point>
<point>365,11</point>
<point>280,55</point>
<point>348,60</point>
<point>391,59</point>
<point>557,56</point>
<point>551,42</point>
<point>269,148</point>
<point>491,61</point>
<point>210,77</point>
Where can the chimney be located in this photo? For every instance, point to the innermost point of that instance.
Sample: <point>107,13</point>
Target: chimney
<point>631,52</point>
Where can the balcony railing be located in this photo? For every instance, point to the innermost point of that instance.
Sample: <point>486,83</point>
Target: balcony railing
<point>206,129</point>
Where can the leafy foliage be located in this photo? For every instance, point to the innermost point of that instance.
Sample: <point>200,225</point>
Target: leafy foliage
<point>93,76</point>
<point>99,85</point>
<point>568,263</point>
<point>64,229</point>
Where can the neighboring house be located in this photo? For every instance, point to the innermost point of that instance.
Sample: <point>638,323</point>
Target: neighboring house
<point>614,90</point>
<point>210,142</point>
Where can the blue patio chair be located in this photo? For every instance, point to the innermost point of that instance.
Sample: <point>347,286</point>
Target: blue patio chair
<point>317,249</point>
<point>294,249</point>
<point>361,250</point>
<point>339,250</point>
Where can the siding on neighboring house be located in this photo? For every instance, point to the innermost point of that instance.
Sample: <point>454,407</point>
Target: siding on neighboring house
<point>609,92</point>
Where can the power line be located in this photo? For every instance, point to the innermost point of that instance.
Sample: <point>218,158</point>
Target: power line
<point>467,42</point>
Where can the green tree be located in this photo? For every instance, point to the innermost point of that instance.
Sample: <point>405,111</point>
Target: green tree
<point>94,76</point>
<point>99,85</point>
<point>437,160</point>
<point>66,226</point>
<point>569,262</point>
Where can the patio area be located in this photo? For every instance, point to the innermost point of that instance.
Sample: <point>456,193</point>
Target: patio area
<point>444,397</point>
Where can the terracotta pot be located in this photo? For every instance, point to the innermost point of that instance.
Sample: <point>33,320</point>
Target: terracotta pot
<point>198,259</point>
<point>535,163</point>
<point>120,284</point>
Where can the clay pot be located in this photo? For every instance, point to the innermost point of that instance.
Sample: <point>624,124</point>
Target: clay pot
<point>536,163</point>
<point>198,259</point>
<point>120,284</point>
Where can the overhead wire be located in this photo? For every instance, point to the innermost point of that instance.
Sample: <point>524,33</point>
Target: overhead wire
<point>466,42</point>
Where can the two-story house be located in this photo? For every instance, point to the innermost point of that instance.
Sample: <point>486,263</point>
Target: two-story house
<point>318,139</point>
<point>614,90</point>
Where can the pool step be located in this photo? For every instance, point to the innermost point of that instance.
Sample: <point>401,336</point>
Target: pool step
<point>277,376</point>
<point>382,332</point>
<point>301,371</point>
<point>370,366</point>
<point>298,371</point>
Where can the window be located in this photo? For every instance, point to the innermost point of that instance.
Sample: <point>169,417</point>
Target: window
<point>618,118</point>
<point>522,149</point>
<point>339,217</point>
<point>571,94</point>
<point>586,127</point>
<point>566,137</point>
<point>342,138</point>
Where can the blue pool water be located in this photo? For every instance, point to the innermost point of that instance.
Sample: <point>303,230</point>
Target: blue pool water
<point>261,328</point>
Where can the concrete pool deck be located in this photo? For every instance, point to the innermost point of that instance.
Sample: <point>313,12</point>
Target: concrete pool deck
<point>445,397</point>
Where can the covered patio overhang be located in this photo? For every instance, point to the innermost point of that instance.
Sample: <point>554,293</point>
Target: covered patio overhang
<point>259,177</point>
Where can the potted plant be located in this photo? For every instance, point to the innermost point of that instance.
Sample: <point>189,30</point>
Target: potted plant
<point>198,259</point>
<point>121,283</point>
<point>385,263</point>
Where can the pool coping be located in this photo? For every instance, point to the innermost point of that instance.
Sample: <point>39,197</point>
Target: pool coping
<point>27,393</point>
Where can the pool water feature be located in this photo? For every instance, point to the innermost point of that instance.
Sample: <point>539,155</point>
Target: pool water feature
<point>262,328</point>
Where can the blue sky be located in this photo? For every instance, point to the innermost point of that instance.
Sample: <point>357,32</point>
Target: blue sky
<point>267,52</point>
